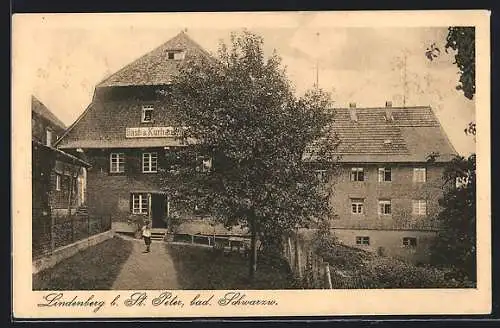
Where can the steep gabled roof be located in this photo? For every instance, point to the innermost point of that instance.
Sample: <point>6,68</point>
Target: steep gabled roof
<point>104,124</point>
<point>38,107</point>
<point>154,68</point>
<point>413,134</point>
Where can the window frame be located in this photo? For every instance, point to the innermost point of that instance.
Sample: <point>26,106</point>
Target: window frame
<point>150,161</point>
<point>48,141</point>
<point>382,174</point>
<point>147,108</point>
<point>355,173</point>
<point>321,175</point>
<point>140,197</point>
<point>382,203</point>
<point>204,164</point>
<point>58,182</point>
<point>359,203</point>
<point>407,242</point>
<point>179,55</point>
<point>120,157</point>
<point>419,206</point>
<point>419,172</point>
<point>362,240</point>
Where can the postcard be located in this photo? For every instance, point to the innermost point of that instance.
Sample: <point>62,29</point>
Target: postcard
<point>251,164</point>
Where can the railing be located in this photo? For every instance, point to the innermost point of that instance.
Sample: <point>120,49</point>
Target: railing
<point>50,233</point>
<point>239,243</point>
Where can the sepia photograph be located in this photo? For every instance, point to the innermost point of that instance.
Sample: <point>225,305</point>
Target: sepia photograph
<point>169,154</point>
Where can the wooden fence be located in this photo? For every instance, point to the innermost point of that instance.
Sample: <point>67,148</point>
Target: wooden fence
<point>50,233</point>
<point>310,270</point>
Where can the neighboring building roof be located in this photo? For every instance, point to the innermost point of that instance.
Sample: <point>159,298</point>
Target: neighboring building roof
<point>411,136</point>
<point>154,68</point>
<point>39,108</point>
<point>60,154</point>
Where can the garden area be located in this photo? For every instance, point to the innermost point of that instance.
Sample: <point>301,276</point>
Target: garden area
<point>355,268</point>
<point>94,268</point>
<point>205,268</point>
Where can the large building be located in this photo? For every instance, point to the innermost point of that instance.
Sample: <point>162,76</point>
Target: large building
<point>126,135</point>
<point>385,196</point>
<point>391,178</point>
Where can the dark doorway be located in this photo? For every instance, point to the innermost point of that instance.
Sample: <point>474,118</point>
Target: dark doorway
<point>158,211</point>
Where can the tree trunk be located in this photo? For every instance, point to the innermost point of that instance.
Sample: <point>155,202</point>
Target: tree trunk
<point>253,249</point>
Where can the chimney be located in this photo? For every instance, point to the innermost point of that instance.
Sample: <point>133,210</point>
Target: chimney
<point>388,111</point>
<point>352,112</point>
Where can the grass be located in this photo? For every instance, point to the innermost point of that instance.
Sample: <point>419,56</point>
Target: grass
<point>94,268</point>
<point>202,268</point>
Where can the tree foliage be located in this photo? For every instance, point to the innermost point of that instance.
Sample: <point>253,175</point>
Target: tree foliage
<point>241,112</point>
<point>456,243</point>
<point>462,40</point>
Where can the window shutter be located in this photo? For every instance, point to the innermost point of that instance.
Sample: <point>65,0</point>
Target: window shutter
<point>131,203</point>
<point>380,174</point>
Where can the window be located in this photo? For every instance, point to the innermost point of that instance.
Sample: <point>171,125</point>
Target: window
<point>384,174</point>
<point>362,240</point>
<point>321,175</point>
<point>176,55</point>
<point>357,174</point>
<point>206,164</point>
<point>149,162</point>
<point>117,162</point>
<point>410,242</point>
<point>419,207</point>
<point>58,182</point>
<point>147,114</point>
<point>140,203</point>
<point>419,174</point>
<point>357,205</point>
<point>48,140</point>
<point>179,55</point>
<point>384,207</point>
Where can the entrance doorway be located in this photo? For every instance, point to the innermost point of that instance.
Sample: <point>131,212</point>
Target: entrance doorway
<point>158,203</point>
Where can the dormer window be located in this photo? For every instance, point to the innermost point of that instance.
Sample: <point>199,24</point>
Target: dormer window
<point>147,114</point>
<point>176,55</point>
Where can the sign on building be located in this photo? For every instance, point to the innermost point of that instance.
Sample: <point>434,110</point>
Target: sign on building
<point>153,132</point>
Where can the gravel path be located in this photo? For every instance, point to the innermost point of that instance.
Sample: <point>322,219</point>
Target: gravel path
<point>154,270</point>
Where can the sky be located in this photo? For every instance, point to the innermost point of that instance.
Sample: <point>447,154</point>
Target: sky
<point>365,65</point>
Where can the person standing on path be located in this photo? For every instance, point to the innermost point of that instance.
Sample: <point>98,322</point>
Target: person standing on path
<point>146,234</point>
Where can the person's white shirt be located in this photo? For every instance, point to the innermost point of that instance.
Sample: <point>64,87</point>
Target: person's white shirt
<point>146,231</point>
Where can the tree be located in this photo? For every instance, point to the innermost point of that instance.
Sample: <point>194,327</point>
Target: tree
<point>258,142</point>
<point>461,39</point>
<point>456,242</point>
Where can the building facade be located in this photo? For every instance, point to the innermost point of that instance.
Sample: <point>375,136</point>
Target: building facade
<point>58,178</point>
<point>128,136</point>
<point>386,193</point>
<point>390,179</point>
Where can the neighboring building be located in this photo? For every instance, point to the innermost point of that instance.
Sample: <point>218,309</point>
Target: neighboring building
<point>58,178</point>
<point>387,191</point>
<point>127,136</point>
<point>46,128</point>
